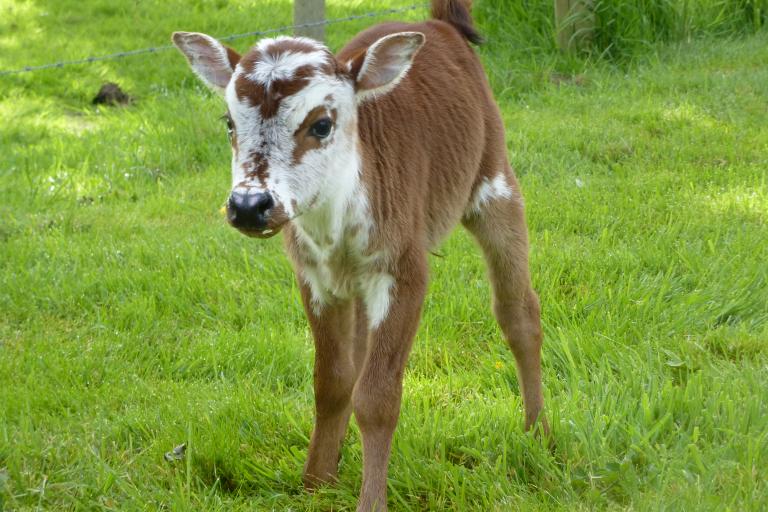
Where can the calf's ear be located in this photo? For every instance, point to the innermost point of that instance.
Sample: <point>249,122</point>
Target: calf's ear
<point>210,60</point>
<point>385,63</point>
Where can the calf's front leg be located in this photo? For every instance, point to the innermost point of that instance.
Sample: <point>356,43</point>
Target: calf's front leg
<point>333,329</point>
<point>378,391</point>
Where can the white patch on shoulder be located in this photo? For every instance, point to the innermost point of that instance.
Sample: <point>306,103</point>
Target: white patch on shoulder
<point>376,291</point>
<point>487,191</point>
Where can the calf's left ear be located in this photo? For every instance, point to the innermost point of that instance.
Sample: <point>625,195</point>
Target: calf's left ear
<point>385,63</point>
<point>210,60</point>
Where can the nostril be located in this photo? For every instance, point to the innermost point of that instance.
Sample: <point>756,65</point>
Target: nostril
<point>249,209</point>
<point>264,202</point>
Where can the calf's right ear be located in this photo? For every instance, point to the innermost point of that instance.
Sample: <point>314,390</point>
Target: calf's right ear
<point>384,64</point>
<point>210,60</point>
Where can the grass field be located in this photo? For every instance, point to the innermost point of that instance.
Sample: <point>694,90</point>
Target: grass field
<point>132,319</point>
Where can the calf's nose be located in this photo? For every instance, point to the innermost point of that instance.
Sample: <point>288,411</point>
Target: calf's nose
<point>249,209</point>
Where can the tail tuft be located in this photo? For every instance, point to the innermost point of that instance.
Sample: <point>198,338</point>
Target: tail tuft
<point>457,13</point>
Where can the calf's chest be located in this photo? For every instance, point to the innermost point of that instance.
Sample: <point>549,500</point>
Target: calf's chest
<point>344,271</point>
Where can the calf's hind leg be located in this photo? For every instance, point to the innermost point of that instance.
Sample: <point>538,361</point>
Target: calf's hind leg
<point>498,224</point>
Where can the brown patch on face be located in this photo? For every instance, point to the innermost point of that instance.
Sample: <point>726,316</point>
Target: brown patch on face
<point>250,59</point>
<point>305,141</point>
<point>268,99</point>
<point>258,167</point>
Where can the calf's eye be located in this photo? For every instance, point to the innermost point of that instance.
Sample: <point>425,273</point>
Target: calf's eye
<point>321,128</point>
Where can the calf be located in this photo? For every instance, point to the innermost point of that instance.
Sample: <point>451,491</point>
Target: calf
<point>366,160</point>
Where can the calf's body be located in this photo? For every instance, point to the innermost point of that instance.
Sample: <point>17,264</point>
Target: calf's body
<point>367,160</point>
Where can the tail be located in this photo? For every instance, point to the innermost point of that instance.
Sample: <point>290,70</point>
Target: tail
<point>457,13</point>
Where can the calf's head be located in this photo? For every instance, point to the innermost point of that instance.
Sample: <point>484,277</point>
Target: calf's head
<point>292,119</point>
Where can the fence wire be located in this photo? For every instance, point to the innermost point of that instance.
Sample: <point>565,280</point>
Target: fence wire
<point>155,49</point>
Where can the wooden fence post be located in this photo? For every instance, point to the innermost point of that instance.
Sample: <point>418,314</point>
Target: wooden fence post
<point>309,11</point>
<point>574,23</point>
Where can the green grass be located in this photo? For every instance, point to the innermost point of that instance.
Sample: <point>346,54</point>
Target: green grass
<point>623,29</point>
<point>132,319</point>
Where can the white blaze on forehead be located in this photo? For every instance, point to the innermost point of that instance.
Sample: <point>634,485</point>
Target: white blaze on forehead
<point>275,64</point>
<point>488,190</point>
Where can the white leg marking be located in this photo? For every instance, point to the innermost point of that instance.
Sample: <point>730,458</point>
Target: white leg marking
<point>489,190</point>
<point>377,297</point>
<point>319,294</point>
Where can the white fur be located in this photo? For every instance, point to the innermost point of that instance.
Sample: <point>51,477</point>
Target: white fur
<point>376,290</point>
<point>317,284</point>
<point>488,190</point>
<point>324,233</point>
<point>246,118</point>
<point>264,44</point>
<point>285,65</point>
<point>326,177</point>
<point>314,95</point>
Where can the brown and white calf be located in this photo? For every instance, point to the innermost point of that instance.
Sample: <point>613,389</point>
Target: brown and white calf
<point>366,160</point>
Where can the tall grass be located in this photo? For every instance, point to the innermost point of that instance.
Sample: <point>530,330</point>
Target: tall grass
<point>623,28</point>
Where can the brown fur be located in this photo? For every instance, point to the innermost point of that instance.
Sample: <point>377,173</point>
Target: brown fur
<point>427,145</point>
<point>257,167</point>
<point>232,56</point>
<point>445,104</point>
<point>457,13</point>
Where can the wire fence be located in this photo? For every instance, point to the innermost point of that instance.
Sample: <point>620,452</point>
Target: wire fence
<point>156,49</point>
